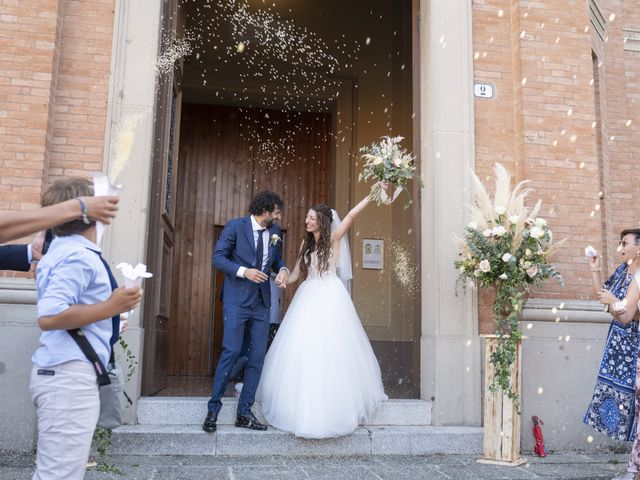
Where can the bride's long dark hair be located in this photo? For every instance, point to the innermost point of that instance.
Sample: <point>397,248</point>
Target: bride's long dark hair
<point>323,246</point>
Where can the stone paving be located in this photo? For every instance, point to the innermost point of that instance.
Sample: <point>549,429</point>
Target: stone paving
<point>558,466</point>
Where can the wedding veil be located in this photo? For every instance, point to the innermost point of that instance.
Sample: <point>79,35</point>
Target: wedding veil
<point>343,267</point>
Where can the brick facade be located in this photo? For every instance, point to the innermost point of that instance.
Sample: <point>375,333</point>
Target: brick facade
<point>562,120</point>
<point>552,119</point>
<point>55,58</point>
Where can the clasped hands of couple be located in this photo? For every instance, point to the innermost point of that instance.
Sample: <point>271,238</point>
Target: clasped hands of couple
<point>257,276</point>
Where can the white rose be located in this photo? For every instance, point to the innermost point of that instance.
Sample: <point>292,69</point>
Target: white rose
<point>499,231</point>
<point>506,257</point>
<point>527,253</point>
<point>536,232</point>
<point>504,276</point>
<point>472,225</point>
<point>484,266</point>
<point>501,210</point>
<point>514,218</point>
<point>487,233</point>
<point>541,222</point>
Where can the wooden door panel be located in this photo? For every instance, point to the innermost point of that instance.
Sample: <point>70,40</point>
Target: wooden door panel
<point>157,299</point>
<point>220,172</point>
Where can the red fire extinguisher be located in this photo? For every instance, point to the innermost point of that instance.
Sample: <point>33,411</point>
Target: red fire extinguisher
<point>537,434</point>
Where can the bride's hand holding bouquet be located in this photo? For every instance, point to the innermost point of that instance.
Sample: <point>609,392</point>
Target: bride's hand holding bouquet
<point>387,162</point>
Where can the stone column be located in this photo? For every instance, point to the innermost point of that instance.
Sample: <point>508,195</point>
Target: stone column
<point>132,94</point>
<point>450,347</point>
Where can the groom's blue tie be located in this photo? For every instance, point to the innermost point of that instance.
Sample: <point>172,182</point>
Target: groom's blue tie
<point>264,286</point>
<point>260,249</point>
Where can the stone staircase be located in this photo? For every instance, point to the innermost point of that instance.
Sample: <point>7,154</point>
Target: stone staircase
<point>172,426</point>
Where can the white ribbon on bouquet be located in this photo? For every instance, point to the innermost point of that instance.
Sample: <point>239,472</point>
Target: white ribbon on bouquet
<point>389,200</point>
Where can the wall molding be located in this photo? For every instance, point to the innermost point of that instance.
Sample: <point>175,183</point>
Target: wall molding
<point>631,39</point>
<point>556,311</point>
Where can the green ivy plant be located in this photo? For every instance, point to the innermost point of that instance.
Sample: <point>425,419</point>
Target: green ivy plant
<point>102,436</point>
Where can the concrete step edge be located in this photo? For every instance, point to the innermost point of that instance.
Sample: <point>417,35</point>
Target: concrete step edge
<point>228,440</point>
<point>191,410</point>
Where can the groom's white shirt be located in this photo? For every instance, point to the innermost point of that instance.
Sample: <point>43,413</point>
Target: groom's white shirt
<point>256,227</point>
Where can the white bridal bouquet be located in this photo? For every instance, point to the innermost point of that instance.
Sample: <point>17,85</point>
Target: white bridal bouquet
<point>386,161</point>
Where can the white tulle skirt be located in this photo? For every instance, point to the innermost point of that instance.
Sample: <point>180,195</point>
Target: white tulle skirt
<point>320,378</point>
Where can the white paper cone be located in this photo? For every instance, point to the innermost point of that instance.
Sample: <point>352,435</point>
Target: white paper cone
<point>101,187</point>
<point>133,276</point>
<point>128,283</point>
<point>590,252</point>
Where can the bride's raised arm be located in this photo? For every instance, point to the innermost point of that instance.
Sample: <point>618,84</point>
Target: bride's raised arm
<point>348,220</point>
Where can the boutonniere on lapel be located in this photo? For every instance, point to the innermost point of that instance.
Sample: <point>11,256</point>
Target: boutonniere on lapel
<point>275,240</point>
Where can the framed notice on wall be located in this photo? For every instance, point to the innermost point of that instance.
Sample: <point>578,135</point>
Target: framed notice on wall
<point>372,254</point>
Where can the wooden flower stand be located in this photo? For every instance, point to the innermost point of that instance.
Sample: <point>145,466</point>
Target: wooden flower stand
<point>501,417</point>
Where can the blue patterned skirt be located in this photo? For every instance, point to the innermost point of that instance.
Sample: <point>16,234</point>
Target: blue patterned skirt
<point>613,406</point>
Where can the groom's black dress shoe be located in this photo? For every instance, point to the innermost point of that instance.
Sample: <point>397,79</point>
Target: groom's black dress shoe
<point>209,424</point>
<point>249,421</point>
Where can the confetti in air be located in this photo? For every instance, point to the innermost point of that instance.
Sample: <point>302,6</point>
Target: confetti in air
<point>404,268</point>
<point>122,145</point>
<point>291,67</point>
<point>172,50</point>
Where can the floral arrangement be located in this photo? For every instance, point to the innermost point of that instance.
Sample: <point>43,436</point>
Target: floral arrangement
<point>507,247</point>
<point>386,161</point>
<point>275,240</point>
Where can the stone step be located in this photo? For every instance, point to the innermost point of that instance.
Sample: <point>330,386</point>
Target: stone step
<point>232,441</point>
<point>192,410</point>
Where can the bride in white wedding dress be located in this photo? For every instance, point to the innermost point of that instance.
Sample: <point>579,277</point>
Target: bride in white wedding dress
<point>320,377</point>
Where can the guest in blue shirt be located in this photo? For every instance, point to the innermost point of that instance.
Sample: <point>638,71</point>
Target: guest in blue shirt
<point>74,291</point>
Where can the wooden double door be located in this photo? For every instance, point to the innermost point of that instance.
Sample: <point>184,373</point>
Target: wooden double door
<point>226,156</point>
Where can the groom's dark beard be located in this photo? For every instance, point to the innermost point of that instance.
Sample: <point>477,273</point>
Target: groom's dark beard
<point>269,223</point>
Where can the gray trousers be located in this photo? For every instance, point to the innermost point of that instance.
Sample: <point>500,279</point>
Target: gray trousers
<point>68,406</point>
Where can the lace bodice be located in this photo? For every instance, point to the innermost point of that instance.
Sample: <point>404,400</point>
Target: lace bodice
<point>314,272</point>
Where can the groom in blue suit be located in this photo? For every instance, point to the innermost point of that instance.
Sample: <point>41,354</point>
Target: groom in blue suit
<point>248,249</point>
